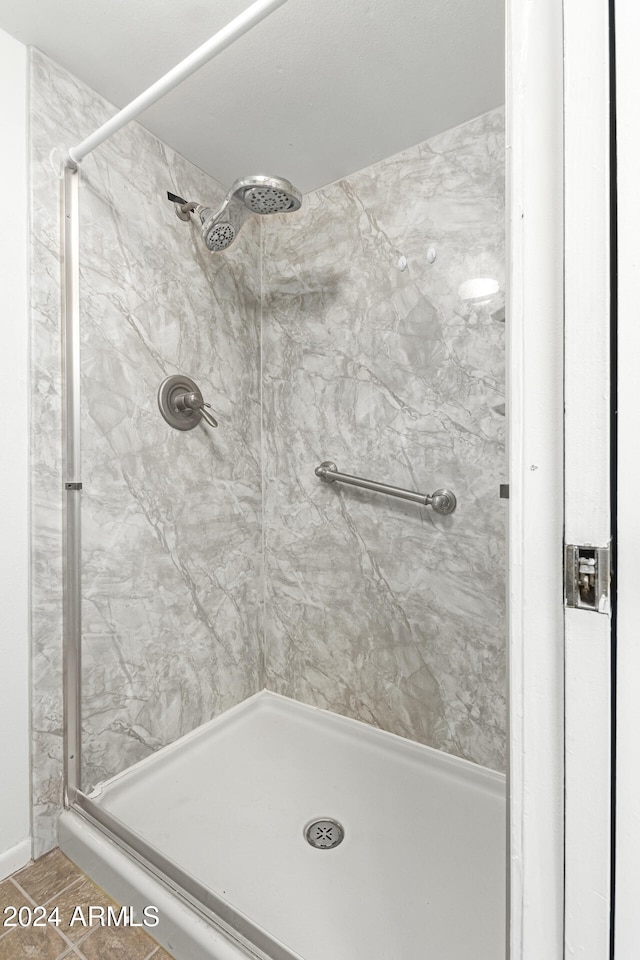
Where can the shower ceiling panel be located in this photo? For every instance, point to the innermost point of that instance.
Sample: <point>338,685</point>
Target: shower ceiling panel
<point>315,92</point>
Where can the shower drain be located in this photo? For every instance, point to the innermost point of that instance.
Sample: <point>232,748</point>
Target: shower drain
<point>324,834</point>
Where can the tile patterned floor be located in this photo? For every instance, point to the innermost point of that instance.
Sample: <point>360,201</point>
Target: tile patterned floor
<point>54,881</point>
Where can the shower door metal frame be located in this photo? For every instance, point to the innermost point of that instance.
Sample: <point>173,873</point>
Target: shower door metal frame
<point>249,938</point>
<point>70,282</point>
<point>72,486</point>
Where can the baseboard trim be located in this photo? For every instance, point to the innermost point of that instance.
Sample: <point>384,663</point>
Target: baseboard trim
<point>14,858</point>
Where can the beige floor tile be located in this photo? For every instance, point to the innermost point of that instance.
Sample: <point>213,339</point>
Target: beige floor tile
<point>33,943</point>
<point>10,896</point>
<point>48,876</point>
<point>82,894</point>
<point>7,893</point>
<point>54,881</point>
<point>117,943</point>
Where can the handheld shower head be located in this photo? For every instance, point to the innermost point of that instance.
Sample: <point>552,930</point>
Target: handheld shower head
<point>259,194</point>
<point>218,231</point>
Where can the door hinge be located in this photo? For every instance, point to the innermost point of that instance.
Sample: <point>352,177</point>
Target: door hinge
<point>587,578</point>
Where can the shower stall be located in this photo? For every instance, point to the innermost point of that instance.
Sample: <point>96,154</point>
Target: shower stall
<point>284,684</point>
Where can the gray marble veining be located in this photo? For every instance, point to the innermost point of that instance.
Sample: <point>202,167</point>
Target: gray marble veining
<point>171,521</point>
<point>376,608</point>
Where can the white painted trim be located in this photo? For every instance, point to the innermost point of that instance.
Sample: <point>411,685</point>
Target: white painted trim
<point>588,789</point>
<point>587,464</point>
<point>535,403</point>
<point>14,462</point>
<point>628,673</point>
<point>587,286</point>
<point>15,858</point>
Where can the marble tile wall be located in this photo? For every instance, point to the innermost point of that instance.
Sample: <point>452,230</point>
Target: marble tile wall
<point>377,608</point>
<point>171,563</point>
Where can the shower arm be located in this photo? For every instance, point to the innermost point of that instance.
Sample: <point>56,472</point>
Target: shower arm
<point>442,501</point>
<point>184,208</point>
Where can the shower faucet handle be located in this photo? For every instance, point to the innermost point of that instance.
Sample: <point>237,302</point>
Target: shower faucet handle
<point>207,417</point>
<point>192,401</point>
<point>181,403</point>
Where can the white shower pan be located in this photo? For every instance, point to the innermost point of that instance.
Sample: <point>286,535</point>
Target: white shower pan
<point>420,871</point>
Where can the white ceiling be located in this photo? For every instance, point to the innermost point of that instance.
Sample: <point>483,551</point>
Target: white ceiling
<point>318,90</point>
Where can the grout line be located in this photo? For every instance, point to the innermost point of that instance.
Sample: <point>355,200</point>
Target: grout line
<point>68,954</point>
<point>49,898</point>
<point>78,953</point>
<point>68,943</point>
<point>65,939</point>
<point>78,943</point>
<point>69,949</point>
<point>23,892</point>
<point>68,887</point>
<point>84,937</point>
<point>5,931</point>
<point>24,895</point>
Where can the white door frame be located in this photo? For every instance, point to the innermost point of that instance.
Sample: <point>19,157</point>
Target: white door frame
<point>557,122</point>
<point>587,474</point>
<point>535,405</point>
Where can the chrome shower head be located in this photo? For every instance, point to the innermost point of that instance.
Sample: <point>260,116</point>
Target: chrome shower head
<point>261,195</point>
<point>217,234</point>
<point>266,195</point>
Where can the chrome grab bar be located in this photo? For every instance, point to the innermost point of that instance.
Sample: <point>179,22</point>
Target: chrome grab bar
<point>442,501</point>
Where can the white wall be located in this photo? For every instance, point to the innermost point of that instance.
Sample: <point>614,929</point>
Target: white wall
<point>15,843</point>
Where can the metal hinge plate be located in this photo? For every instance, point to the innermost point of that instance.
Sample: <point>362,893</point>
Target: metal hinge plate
<point>587,578</point>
